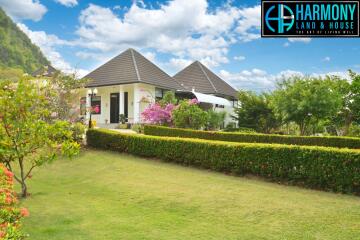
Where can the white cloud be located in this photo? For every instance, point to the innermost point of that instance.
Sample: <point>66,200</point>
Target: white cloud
<point>47,44</point>
<point>117,7</point>
<point>177,64</point>
<point>259,80</point>
<point>302,40</point>
<point>239,58</point>
<point>184,29</point>
<point>256,79</point>
<point>326,59</point>
<point>24,9</point>
<point>249,23</point>
<point>286,44</point>
<point>67,3</point>
<point>150,56</point>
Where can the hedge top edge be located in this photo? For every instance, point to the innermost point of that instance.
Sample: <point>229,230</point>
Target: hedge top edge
<point>226,143</point>
<point>337,142</point>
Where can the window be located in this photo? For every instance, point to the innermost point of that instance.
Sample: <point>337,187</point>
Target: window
<point>235,103</point>
<point>96,105</point>
<point>83,106</point>
<point>219,106</point>
<point>159,93</point>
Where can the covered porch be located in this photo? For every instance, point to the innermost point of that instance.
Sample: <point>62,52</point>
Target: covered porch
<point>110,102</point>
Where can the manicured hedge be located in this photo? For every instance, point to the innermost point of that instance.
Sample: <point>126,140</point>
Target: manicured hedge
<point>316,167</point>
<point>340,142</point>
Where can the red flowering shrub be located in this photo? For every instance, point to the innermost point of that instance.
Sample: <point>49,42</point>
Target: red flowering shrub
<point>10,213</point>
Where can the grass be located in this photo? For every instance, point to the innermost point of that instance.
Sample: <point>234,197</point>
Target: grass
<point>103,195</point>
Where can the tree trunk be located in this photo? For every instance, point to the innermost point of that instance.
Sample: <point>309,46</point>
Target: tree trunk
<point>24,192</point>
<point>302,128</point>
<point>348,122</point>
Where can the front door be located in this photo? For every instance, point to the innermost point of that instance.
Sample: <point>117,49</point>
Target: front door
<point>114,107</point>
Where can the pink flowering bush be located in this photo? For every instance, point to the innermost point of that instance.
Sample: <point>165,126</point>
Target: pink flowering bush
<point>156,114</point>
<point>193,101</point>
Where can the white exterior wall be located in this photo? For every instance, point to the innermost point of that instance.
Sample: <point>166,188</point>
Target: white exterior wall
<point>229,112</point>
<point>137,93</point>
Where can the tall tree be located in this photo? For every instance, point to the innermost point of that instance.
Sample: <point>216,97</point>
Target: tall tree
<point>254,112</point>
<point>306,100</point>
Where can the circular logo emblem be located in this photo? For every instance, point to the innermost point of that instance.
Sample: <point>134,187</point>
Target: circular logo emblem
<point>280,19</point>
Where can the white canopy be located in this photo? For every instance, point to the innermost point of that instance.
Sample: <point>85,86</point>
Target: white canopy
<point>211,99</point>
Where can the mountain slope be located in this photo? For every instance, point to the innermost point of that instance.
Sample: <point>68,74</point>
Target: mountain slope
<point>16,49</point>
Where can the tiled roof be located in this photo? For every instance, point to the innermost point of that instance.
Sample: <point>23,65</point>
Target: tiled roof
<point>131,67</point>
<point>197,76</point>
<point>45,71</point>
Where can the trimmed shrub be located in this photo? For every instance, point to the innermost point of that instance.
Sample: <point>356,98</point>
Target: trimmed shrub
<point>339,142</point>
<point>240,129</point>
<point>10,213</point>
<point>316,167</point>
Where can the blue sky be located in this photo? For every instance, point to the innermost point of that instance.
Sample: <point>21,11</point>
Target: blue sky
<point>82,34</point>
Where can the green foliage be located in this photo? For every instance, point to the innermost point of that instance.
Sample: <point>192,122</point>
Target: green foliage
<point>78,132</point>
<point>64,93</point>
<point>306,101</point>
<point>354,130</point>
<point>122,118</point>
<point>28,136</point>
<point>189,115</point>
<point>316,167</point>
<point>239,129</point>
<point>139,128</point>
<point>340,142</point>
<point>169,98</point>
<point>12,74</point>
<point>16,49</point>
<point>215,119</point>
<point>254,112</point>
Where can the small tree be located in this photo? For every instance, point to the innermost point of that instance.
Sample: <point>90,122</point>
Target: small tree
<point>66,99</point>
<point>306,101</point>
<point>255,112</point>
<point>28,136</point>
<point>189,115</point>
<point>169,98</point>
<point>215,119</point>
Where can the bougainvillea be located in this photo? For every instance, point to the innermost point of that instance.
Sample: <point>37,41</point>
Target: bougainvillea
<point>155,114</point>
<point>10,213</point>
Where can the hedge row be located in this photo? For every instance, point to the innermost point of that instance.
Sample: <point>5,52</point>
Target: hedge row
<point>340,142</point>
<point>324,168</point>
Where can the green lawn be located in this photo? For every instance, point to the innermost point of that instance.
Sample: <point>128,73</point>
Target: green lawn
<point>102,195</point>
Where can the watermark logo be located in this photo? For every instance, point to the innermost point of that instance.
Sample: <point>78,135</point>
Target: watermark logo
<point>282,20</point>
<point>287,18</point>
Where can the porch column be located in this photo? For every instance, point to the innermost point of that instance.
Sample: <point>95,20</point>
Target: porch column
<point>88,107</point>
<point>121,93</point>
<point>136,103</point>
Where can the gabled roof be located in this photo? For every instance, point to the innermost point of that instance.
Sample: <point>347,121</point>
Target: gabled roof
<point>197,76</point>
<point>130,67</point>
<point>45,71</point>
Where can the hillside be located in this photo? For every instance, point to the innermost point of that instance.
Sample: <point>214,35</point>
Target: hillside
<point>16,49</point>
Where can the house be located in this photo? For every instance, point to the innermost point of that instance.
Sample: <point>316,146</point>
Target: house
<point>128,83</point>
<point>45,71</point>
